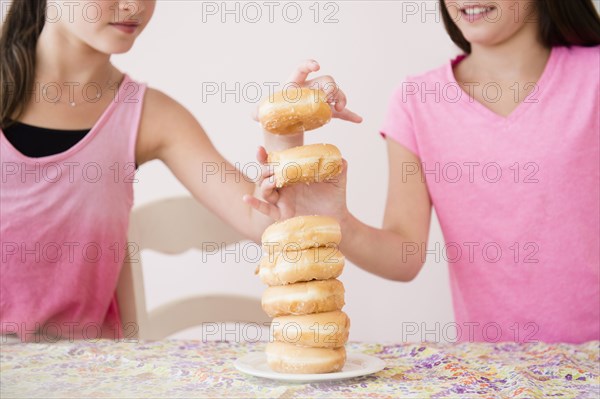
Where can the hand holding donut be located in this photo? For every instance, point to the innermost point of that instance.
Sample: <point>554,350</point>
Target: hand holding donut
<point>333,95</point>
<point>325,198</point>
<point>290,113</point>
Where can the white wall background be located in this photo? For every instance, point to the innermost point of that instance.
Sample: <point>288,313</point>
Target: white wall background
<point>369,50</point>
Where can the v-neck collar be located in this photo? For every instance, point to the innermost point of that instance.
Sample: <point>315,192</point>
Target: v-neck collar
<point>531,99</point>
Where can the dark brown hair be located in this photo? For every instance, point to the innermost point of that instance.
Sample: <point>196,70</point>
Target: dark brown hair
<point>18,40</point>
<point>561,23</point>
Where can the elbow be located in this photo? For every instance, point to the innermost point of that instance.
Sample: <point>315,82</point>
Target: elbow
<point>413,259</point>
<point>406,272</point>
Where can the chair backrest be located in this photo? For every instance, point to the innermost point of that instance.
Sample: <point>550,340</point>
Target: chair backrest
<point>174,226</point>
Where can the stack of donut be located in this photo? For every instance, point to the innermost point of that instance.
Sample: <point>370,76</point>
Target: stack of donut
<point>300,265</point>
<point>302,261</point>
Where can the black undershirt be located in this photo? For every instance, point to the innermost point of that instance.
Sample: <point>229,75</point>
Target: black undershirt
<point>36,142</point>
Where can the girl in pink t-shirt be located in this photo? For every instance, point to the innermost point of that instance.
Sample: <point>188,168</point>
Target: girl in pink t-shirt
<point>73,130</point>
<point>504,143</point>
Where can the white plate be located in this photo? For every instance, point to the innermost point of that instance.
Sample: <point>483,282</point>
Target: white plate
<point>357,364</point>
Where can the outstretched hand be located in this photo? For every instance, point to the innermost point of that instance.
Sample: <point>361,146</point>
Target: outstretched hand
<point>335,96</point>
<point>327,198</point>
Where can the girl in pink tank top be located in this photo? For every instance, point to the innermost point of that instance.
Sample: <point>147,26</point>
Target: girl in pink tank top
<point>64,214</point>
<point>504,143</point>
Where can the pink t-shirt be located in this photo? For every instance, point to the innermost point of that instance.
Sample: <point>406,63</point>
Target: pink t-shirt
<point>517,198</point>
<point>63,230</point>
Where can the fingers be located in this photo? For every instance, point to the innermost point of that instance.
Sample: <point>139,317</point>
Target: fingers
<point>301,73</point>
<point>340,101</point>
<point>261,155</point>
<point>336,97</point>
<point>328,85</point>
<point>263,159</point>
<point>265,208</point>
<point>348,115</point>
<point>267,171</point>
<point>298,77</point>
<point>269,191</point>
<point>267,180</point>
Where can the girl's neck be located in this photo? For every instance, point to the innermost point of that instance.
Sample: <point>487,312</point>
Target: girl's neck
<point>522,56</point>
<point>62,58</point>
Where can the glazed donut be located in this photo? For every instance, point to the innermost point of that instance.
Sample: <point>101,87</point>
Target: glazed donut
<point>298,266</point>
<point>304,298</point>
<point>294,110</point>
<point>317,330</point>
<point>292,359</point>
<point>306,164</point>
<point>302,232</point>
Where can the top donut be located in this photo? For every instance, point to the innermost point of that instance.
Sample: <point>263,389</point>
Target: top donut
<point>294,110</point>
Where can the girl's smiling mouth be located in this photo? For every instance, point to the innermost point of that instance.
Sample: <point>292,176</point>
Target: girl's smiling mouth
<point>474,13</point>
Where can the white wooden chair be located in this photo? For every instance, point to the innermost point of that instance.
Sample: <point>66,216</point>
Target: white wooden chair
<point>173,226</point>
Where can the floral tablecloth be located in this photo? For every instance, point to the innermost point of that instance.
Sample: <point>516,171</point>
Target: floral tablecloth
<point>195,369</point>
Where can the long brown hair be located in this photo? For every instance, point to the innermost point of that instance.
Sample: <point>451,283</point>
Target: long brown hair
<point>18,40</point>
<point>561,23</point>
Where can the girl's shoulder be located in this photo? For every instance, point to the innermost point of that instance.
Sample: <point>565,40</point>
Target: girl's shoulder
<point>163,121</point>
<point>578,66</point>
<point>584,51</point>
<point>579,56</point>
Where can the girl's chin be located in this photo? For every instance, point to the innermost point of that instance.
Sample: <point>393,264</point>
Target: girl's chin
<point>115,48</point>
<point>481,38</point>
<point>123,51</point>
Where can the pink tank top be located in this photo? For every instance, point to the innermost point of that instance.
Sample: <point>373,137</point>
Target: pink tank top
<point>63,228</point>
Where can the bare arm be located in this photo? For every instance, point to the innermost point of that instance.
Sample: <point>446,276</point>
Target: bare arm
<point>396,251</point>
<point>170,133</point>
